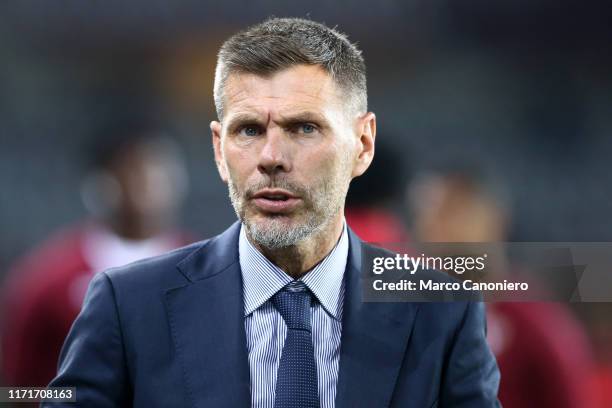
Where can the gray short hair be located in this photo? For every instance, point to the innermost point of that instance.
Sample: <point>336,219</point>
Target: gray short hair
<point>279,43</point>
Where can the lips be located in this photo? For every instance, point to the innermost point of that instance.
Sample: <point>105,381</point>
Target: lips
<point>275,201</point>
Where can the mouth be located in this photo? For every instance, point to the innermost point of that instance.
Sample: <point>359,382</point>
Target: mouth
<point>276,201</point>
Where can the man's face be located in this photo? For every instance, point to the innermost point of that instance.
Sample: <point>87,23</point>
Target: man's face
<point>288,149</point>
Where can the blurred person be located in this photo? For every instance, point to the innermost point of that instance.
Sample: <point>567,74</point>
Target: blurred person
<point>134,191</point>
<point>542,351</point>
<point>269,313</point>
<point>600,327</point>
<point>372,200</point>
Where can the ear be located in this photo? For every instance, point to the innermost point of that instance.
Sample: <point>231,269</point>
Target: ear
<point>366,130</point>
<point>215,128</point>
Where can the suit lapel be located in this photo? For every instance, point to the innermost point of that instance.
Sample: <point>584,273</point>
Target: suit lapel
<point>207,322</point>
<point>375,337</point>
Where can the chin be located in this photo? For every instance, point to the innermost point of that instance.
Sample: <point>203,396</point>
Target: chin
<point>278,231</point>
<point>274,222</point>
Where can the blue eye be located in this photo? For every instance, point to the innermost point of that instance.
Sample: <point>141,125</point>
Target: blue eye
<point>307,128</point>
<point>250,131</point>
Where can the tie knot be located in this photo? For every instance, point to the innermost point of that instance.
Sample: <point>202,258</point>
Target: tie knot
<point>293,303</point>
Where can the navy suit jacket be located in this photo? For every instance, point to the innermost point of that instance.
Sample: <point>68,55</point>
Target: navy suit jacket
<point>169,332</point>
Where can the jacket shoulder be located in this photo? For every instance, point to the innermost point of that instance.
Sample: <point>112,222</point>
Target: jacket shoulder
<point>159,271</point>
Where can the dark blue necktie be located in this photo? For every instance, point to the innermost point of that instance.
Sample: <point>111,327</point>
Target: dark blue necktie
<point>296,381</point>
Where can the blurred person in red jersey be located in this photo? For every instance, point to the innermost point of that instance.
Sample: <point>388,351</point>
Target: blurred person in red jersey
<point>373,203</point>
<point>134,192</point>
<point>542,351</point>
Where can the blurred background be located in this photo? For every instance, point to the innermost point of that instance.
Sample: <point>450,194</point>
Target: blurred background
<point>491,114</point>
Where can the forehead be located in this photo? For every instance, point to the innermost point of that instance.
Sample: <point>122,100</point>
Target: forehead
<point>299,88</point>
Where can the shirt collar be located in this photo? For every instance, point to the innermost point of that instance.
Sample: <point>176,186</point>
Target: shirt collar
<point>262,279</point>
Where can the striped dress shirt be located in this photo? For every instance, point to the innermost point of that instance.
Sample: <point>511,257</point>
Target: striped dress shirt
<point>266,329</point>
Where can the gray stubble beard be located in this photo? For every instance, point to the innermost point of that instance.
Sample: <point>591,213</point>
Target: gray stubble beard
<point>276,235</point>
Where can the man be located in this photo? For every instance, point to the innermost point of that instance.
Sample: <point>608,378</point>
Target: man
<point>269,313</point>
<point>133,192</point>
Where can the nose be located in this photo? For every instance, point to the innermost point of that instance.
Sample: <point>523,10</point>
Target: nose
<point>274,156</point>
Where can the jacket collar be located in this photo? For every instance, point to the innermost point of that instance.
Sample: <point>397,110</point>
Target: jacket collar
<point>213,256</point>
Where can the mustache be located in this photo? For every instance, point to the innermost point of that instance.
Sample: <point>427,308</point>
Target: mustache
<point>293,188</point>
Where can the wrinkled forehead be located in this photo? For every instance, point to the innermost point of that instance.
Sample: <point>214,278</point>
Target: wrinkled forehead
<point>302,88</point>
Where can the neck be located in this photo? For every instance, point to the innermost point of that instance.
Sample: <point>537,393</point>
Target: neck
<point>298,259</point>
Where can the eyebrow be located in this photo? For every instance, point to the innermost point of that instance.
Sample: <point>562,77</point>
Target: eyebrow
<point>240,119</point>
<point>304,117</point>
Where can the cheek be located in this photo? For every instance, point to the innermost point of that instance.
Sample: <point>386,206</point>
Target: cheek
<point>328,164</point>
<point>238,162</point>
<point>343,158</point>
